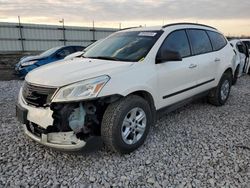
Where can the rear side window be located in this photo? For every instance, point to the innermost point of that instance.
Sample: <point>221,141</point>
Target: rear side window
<point>217,39</point>
<point>199,40</point>
<point>177,41</point>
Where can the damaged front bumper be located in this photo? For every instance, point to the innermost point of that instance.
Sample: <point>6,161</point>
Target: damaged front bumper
<point>34,118</point>
<point>63,141</point>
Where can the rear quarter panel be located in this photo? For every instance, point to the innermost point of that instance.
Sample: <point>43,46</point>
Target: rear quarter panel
<point>227,57</point>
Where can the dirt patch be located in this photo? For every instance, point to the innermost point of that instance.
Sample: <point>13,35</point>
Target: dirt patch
<point>8,74</point>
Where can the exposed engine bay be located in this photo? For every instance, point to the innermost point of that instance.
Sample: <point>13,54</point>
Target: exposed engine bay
<point>83,118</point>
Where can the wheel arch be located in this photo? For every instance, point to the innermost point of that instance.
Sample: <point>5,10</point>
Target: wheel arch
<point>149,98</point>
<point>229,71</point>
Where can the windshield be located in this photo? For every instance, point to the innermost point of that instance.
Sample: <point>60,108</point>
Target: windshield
<point>125,46</point>
<point>49,52</point>
<point>92,45</point>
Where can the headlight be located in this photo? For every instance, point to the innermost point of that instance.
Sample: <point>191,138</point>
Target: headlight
<point>28,63</point>
<point>81,90</point>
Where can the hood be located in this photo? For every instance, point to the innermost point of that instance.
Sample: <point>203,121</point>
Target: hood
<point>29,58</point>
<point>67,72</point>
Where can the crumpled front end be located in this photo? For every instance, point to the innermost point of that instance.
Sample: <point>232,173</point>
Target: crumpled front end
<point>64,126</point>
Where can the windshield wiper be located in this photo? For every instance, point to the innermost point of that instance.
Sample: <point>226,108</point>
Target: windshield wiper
<point>105,57</point>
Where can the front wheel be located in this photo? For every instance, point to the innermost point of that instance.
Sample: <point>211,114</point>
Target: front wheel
<point>126,123</point>
<point>219,95</point>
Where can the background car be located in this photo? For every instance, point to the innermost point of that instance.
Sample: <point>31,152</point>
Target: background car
<point>80,53</point>
<point>241,57</point>
<point>247,43</point>
<point>28,63</point>
<point>247,65</point>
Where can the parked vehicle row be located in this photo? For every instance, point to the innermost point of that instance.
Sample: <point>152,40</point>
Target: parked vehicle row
<point>118,87</point>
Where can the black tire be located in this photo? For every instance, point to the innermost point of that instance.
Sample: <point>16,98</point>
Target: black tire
<point>215,96</point>
<point>111,128</point>
<point>236,74</point>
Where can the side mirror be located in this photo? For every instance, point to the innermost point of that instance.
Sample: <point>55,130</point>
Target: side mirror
<point>167,55</point>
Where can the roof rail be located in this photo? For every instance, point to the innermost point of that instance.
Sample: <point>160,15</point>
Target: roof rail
<point>130,28</point>
<point>187,23</point>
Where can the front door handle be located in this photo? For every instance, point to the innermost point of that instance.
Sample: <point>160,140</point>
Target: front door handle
<point>217,60</point>
<point>191,66</point>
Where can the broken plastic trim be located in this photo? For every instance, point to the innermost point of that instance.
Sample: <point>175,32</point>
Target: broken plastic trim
<point>62,141</point>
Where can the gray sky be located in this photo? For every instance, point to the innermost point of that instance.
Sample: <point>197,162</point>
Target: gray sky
<point>225,14</point>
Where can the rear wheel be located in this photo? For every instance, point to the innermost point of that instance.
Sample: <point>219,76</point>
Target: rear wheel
<point>126,123</point>
<point>219,95</point>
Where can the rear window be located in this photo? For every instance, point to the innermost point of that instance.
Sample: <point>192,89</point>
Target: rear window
<point>217,39</point>
<point>199,41</point>
<point>65,51</point>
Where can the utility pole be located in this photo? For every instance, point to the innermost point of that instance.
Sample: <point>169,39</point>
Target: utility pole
<point>20,32</point>
<point>93,30</point>
<point>63,28</point>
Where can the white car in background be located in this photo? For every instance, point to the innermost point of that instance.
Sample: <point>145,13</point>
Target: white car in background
<point>240,57</point>
<point>247,65</point>
<point>80,53</point>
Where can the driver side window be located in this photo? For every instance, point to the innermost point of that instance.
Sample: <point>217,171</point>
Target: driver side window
<point>177,41</point>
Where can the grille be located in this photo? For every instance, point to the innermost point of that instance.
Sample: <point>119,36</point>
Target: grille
<point>36,95</point>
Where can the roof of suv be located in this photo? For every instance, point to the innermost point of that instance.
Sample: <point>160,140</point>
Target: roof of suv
<point>191,24</point>
<point>177,25</point>
<point>245,39</point>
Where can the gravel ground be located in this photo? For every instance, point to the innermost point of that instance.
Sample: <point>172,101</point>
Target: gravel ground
<point>198,145</point>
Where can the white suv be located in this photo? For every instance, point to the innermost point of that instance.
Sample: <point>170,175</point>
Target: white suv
<point>115,90</point>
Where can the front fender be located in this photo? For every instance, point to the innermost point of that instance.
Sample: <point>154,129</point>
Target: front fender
<point>120,89</point>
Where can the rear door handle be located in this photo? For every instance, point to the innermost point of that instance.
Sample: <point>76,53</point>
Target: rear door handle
<point>191,66</point>
<point>217,60</point>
